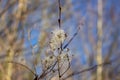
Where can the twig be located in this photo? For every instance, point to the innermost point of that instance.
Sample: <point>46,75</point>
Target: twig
<point>91,68</point>
<point>29,38</point>
<point>59,22</point>
<point>59,19</point>
<point>13,62</point>
<point>58,68</point>
<point>99,42</point>
<point>67,67</point>
<point>85,70</point>
<point>7,7</point>
<point>47,72</point>
<point>71,38</point>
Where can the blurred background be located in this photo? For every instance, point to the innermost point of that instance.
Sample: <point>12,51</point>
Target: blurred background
<point>25,27</point>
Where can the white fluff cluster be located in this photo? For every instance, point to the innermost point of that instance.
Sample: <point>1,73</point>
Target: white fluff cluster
<point>58,37</point>
<point>63,57</point>
<point>48,61</point>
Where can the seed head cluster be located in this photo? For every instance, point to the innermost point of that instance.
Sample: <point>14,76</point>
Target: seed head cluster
<point>48,61</point>
<point>58,37</point>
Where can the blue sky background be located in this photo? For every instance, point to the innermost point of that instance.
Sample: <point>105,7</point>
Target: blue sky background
<point>41,18</point>
<point>81,11</point>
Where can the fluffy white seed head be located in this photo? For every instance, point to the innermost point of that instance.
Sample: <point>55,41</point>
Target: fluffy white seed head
<point>63,57</point>
<point>48,61</point>
<point>58,37</point>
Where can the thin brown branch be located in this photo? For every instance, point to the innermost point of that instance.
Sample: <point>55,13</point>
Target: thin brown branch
<point>58,68</point>
<point>75,34</point>
<point>99,42</point>
<point>85,70</point>
<point>13,62</point>
<point>33,54</point>
<point>8,7</point>
<point>47,72</point>
<point>59,22</point>
<point>67,67</point>
<point>91,68</point>
<point>59,19</point>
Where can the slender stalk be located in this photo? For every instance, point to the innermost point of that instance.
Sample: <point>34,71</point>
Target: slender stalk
<point>75,34</point>
<point>99,43</point>
<point>32,49</point>
<point>8,7</point>
<point>87,69</point>
<point>59,22</point>
<point>59,19</point>
<point>9,66</point>
<point>67,67</point>
<point>58,68</point>
<point>13,62</point>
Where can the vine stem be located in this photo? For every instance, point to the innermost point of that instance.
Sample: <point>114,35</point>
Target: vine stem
<point>59,19</point>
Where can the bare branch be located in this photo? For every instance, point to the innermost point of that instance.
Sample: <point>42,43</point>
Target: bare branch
<point>59,19</point>
<point>91,68</point>
<point>75,34</point>
<point>67,67</point>
<point>8,7</point>
<point>85,70</point>
<point>32,47</point>
<point>13,62</point>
